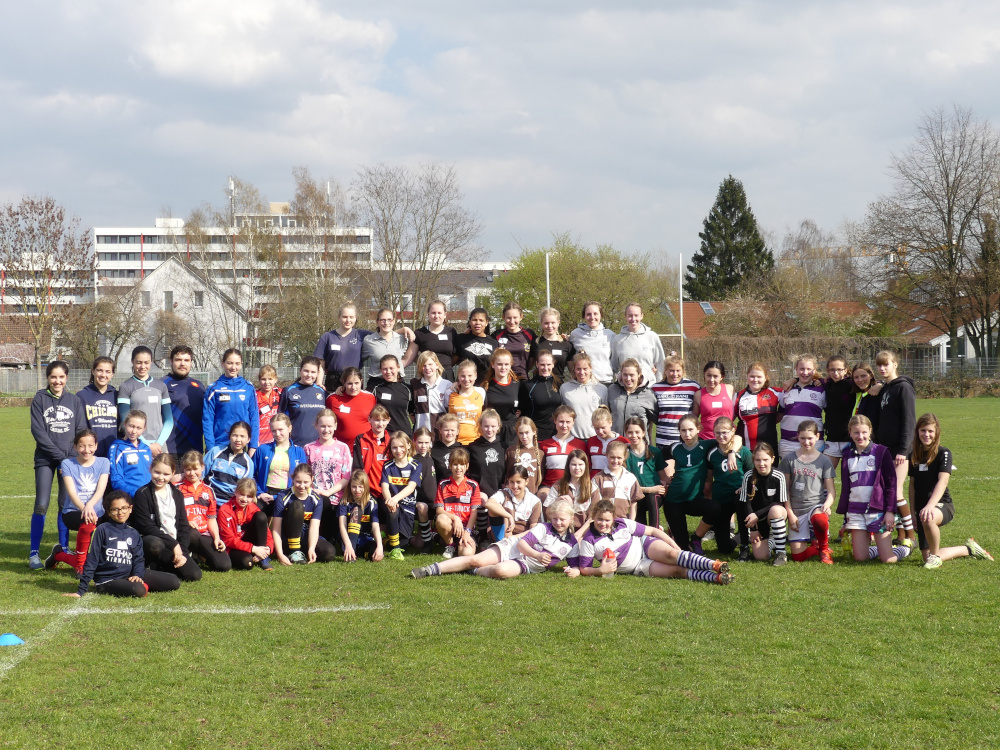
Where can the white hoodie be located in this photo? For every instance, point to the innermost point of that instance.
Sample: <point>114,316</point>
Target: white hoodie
<point>643,346</point>
<point>597,343</point>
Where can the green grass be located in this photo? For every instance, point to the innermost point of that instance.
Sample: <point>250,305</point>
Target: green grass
<point>805,656</point>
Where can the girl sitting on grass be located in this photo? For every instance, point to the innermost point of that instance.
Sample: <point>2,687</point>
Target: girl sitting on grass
<point>243,529</point>
<point>930,470</point>
<point>359,528</point>
<point>513,509</point>
<point>295,526</point>
<point>225,465</point>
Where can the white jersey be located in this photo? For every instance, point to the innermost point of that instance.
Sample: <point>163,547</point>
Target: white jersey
<point>543,538</point>
<point>625,541</point>
<point>521,510</point>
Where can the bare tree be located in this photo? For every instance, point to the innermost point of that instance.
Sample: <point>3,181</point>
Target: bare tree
<point>983,290</point>
<point>420,230</point>
<point>816,252</point>
<point>46,260</point>
<point>106,325</point>
<point>926,225</point>
<point>168,329</point>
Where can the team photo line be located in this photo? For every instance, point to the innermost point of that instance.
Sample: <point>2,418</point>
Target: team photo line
<point>543,450</point>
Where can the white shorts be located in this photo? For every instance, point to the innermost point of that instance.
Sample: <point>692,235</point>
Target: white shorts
<point>835,449</point>
<point>865,522</point>
<point>805,531</point>
<point>508,551</point>
<point>642,568</point>
<point>633,557</point>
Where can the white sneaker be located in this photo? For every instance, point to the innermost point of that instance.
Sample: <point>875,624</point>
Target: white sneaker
<point>449,552</point>
<point>933,561</point>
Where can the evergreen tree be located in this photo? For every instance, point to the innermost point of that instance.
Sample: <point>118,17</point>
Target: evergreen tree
<point>732,250</point>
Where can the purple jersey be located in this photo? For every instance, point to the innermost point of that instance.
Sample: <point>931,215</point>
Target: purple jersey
<point>799,404</point>
<point>867,480</point>
<point>543,538</point>
<point>625,540</point>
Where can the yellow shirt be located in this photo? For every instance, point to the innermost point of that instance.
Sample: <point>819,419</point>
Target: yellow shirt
<point>468,409</point>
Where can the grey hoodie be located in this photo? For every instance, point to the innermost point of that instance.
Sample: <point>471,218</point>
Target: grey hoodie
<point>643,346</point>
<point>597,343</point>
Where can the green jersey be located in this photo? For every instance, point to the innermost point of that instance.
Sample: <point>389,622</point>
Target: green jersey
<point>725,483</point>
<point>646,470</point>
<point>690,468</point>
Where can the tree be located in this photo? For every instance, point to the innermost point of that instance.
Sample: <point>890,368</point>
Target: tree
<point>578,275</point>
<point>420,230</point>
<point>983,290</point>
<point>837,270</point>
<point>926,226</point>
<point>106,325</point>
<point>167,331</point>
<point>46,260</point>
<point>732,248</point>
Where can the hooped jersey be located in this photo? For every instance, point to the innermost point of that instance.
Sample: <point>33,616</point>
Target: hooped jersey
<point>458,499</point>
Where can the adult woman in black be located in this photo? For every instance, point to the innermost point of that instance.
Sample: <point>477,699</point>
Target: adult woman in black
<point>539,395</point>
<point>437,337</point>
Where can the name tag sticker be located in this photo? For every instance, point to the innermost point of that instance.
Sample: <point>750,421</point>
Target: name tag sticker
<point>386,397</point>
<point>800,485</point>
<point>716,404</point>
<point>551,450</point>
<point>189,501</point>
<point>557,352</point>
<point>421,399</point>
<point>515,403</point>
<point>132,458</point>
<point>224,397</point>
<point>334,347</point>
<point>345,409</point>
<point>265,409</point>
<point>154,399</point>
<point>442,337</point>
<point>854,477</point>
<point>122,545</point>
<point>771,490</point>
<point>922,467</point>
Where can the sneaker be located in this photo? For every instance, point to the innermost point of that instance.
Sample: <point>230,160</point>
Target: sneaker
<point>695,546</point>
<point>976,551</point>
<point>449,552</point>
<point>265,564</point>
<point>724,579</point>
<point>906,542</point>
<point>745,554</point>
<point>709,535</point>
<point>421,572</point>
<point>933,561</point>
<point>297,557</point>
<point>50,561</point>
<point>825,557</point>
<point>35,562</point>
<point>395,554</point>
<point>720,566</point>
<point>780,558</point>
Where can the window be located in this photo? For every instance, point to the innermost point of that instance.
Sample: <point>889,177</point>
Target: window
<point>456,303</point>
<point>199,299</point>
<point>168,301</point>
<point>146,301</point>
<point>706,307</point>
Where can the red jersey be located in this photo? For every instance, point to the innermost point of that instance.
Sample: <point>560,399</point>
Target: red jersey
<point>267,407</point>
<point>556,454</point>
<point>459,499</point>
<point>758,417</point>
<point>199,503</point>
<point>352,415</point>
<point>596,450</point>
<point>231,520</point>
<point>370,454</point>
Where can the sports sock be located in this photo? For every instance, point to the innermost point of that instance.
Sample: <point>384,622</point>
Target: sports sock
<point>482,523</point>
<point>425,531</point>
<point>708,576</point>
<point>873,553</point>
<point>779,533</point>
<point>499,527</point>
<point>295,542</point>
<point>770,545</point>
<point>692,561</point>
<point>901,551</point>
<point>433,569</point>
<point>63,531</point>
<point>821,527</point>
<point>37,529</point>
<point>810,551</point>
<point>392,528</point>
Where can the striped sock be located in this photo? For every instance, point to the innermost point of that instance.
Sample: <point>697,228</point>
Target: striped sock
<point>425,531</point>
<point>770,545</point>
<point>873,553</point>
<point>779,533</point>
<point>901,551</point>
<point>905,521</point>
<point>692,561</point>
<point>433,569</point>
<point>708,576</point>
<point>393,540</point>
<point>295,542</point>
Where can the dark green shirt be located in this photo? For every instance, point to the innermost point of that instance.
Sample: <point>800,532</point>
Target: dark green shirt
<point>725,483</point>
<point>690,468</point>
<point>646,470</point>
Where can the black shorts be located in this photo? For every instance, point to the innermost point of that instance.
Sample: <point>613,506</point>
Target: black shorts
<point>947,513</point>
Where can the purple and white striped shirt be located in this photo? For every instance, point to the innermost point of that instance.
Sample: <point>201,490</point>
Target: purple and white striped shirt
<point>799,404</point>
<point>543,538</point>
<point>624,535</point>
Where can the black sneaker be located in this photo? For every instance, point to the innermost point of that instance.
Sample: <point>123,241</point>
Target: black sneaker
<point>50,561</point>
<point>745,554</point>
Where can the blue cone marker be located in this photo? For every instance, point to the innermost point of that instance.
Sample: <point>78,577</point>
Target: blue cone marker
<point>9,639</point>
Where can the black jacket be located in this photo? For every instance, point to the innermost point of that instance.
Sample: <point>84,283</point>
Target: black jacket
<point>898,416</point>
<point>54,424</point>
<point>538,399</point>
<point>145,516</point>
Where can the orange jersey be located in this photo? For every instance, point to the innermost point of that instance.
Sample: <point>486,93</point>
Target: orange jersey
<point>199,502</point>
<point>459,499</point>
<point>468,409</point>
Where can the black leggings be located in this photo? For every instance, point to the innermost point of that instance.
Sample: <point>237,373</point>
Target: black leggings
<point>723,538</point>
<point>155,580</point>
<point>161,557</point>
<point>647,510</point>
<point>677,514</point>
<point>329,522</point>
<point>201,545</point>
<point>255,533</point>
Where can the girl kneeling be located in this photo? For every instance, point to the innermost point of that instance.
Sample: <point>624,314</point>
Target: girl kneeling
<point>763,498</point>
<point>639,550</point>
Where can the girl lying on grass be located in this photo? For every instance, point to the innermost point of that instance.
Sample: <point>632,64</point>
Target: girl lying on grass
<point>541,548</point>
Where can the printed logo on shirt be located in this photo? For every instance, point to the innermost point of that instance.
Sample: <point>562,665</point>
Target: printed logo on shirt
<point>243,397</point>
<point>478,349</point>
<point>492,456</point>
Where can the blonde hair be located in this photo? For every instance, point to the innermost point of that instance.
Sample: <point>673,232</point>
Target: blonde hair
<point>617,446</point>
<point>326,413</point>
<point>281,417</point>
<point>426,357</point>
<point>267,370</point>
<point>490,414</point>
<point>885,356</point>
<point>400,436</point>
<point>601,415</point>
<point>527,422</point>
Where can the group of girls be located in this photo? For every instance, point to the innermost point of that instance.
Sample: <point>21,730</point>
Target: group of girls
<point>584,440</point>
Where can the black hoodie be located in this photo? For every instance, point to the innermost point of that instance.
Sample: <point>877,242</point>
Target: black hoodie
<point>897,417</point>
<point>54,424</point>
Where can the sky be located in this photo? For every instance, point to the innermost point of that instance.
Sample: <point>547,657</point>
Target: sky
<point>615,122</point>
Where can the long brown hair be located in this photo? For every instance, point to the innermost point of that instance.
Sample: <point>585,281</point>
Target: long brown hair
<point>925,454</point>
<point>562,488</point>
<point>491,372</point>
<point>762,447</point>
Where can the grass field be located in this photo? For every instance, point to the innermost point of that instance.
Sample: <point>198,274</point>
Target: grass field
<point>358,656</point>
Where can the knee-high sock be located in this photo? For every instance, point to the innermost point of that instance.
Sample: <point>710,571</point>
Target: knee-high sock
<point>692,561</point>
<point>708,576</point>
<point>821,526</point>
<point>810,551</point>
<point>392,527</point>
<point>37,529</point>
<point>77,559</point>
<point>901,551</point>
<point>63,531</point>
<point>779,533</point>
<point>907,520</point>
<point>426,532</point>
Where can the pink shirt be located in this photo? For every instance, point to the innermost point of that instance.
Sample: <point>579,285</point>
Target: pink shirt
<point>330,464</point>
<point>713,407</point>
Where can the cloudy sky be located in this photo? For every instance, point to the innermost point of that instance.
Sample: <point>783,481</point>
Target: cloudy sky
<point>615,122</point>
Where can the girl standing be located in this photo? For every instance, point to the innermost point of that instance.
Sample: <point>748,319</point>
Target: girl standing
<point>687,469</point>
<point>539,395</point>
<point>649,466</point>
<point>757,408</point>
<point>394,395</point>
<point>728,461</point>
<point>435,338</point>
<point>268,398</point>
<point>714,400</point>
<point>301,400</point>
<point>430,391</point>
<point>467,402</point>
<point>142,392</point>
<point>592,338</point>
<point>517,340</point>
<point>639,343</point>
<point>557,344</point>
<point>352,406</point>
<point>630,397</point>
<point>475,344</point>
<point>763,498</point>
<point>341,348</point>
<point>503,392</point>
<point>930,469</point>
<point>56,417</point>
<point>806,399</point>
<point>558,448</point>
<point>423,442</point>
<point>228,400</point>
<point>384,341</point>
<point>227,465</point>
<point>866,403</point>
<point>100,403</point>
<point>674,398</point>
<point>274,463</point>
<point>840,401</point>
<point>867,495</point>
<point>583,395</point>
<point>896,419</point>
<point>330,461</point>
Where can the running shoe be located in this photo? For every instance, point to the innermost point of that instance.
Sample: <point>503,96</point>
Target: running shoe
<point>265,564</point>
<point>695,546</point>
<point>449,552</point>
<point>933,561</point>
<point>709,535</point>
<point>745,554</point>
<point>35,562</point>
<point>421,572</point>
<point>825,557</point>
<point>395,554</point>
<point>50,561</point>
<point>780,558</point>
<point>720,566</point>
<point>906,542</point>
<point>976,551</point>
<point>297,557</point>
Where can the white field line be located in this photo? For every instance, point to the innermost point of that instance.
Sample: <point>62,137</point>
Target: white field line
<point>16,654</point>
<point>166,610</point>
<point>15,497</point>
